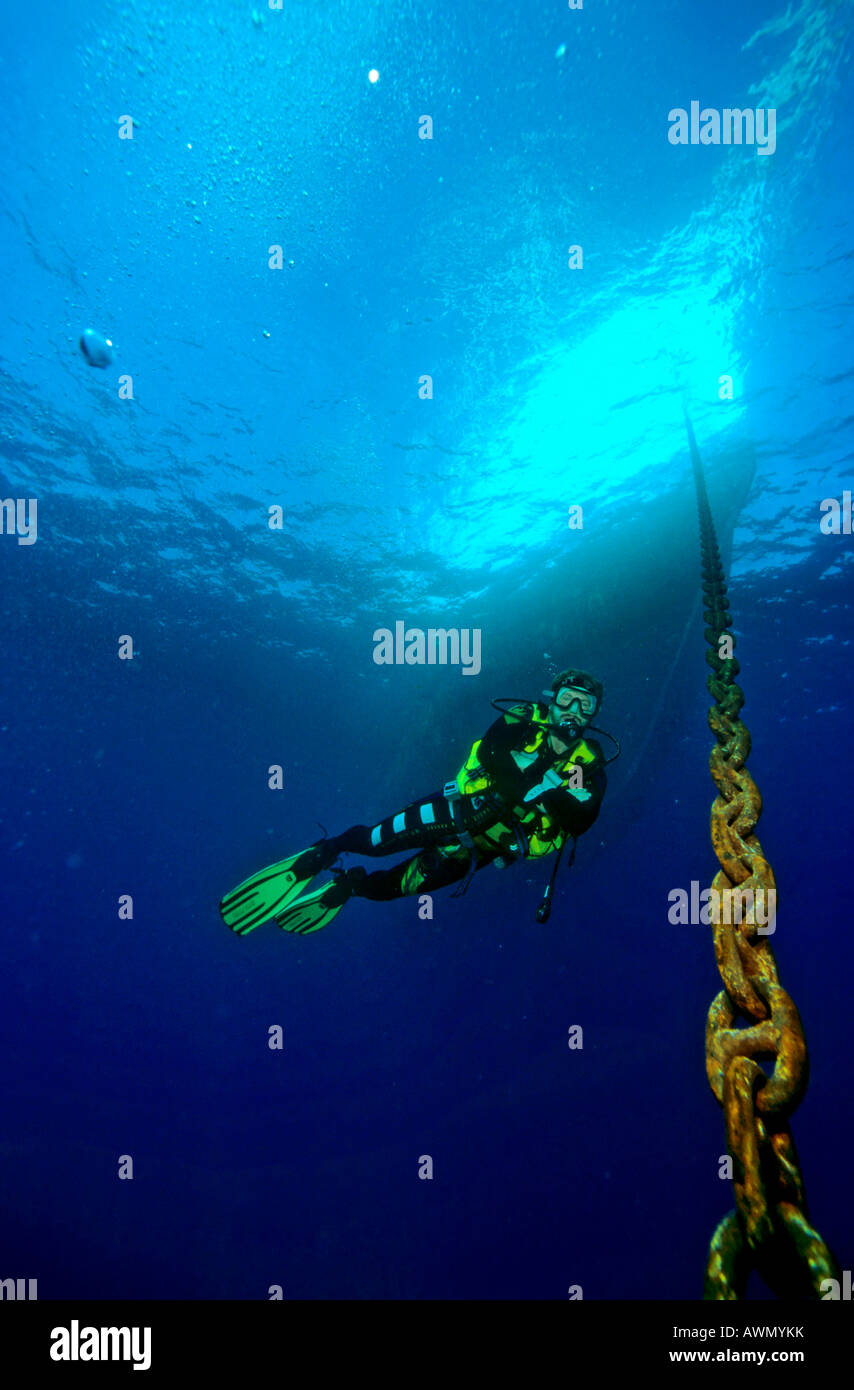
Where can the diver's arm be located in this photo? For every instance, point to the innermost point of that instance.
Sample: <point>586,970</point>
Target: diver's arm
<point>571,814</point>
<point>495,756</point>
<point>500,738</point>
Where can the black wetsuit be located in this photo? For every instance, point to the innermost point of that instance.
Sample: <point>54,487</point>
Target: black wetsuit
<point>502,820</point>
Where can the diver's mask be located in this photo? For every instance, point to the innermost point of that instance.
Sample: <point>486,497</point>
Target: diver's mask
<point>572,707</point>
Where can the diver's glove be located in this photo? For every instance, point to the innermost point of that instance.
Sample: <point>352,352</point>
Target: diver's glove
<point>552,783</point>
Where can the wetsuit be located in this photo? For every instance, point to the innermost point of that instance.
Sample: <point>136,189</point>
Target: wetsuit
<point>513,798</point>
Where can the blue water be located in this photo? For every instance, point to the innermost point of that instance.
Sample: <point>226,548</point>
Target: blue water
<point>299,387</point>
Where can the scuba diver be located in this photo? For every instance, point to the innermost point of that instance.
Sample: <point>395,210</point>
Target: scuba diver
<point>530,784</point>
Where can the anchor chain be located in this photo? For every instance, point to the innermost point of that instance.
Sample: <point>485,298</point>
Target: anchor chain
<point>753,1018</point>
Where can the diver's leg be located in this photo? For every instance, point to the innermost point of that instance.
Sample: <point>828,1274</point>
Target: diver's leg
<point>407,830</point>
<point>426,823</point>
<point>424,873</point>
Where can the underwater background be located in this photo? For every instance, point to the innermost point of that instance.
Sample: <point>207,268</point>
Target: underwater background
<point>254,387</point>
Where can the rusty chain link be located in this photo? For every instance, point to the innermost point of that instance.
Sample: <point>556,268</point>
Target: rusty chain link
<point>769,1229</point>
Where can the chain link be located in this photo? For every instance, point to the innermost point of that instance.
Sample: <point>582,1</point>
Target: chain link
<point>769,1229</point>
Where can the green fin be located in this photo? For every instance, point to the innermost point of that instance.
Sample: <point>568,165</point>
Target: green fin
<point>260,897</point>
<point>314,910</point>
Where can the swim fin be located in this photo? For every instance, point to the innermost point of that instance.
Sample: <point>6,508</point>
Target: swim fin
<point>316,909</point>
<point>269,891</point>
